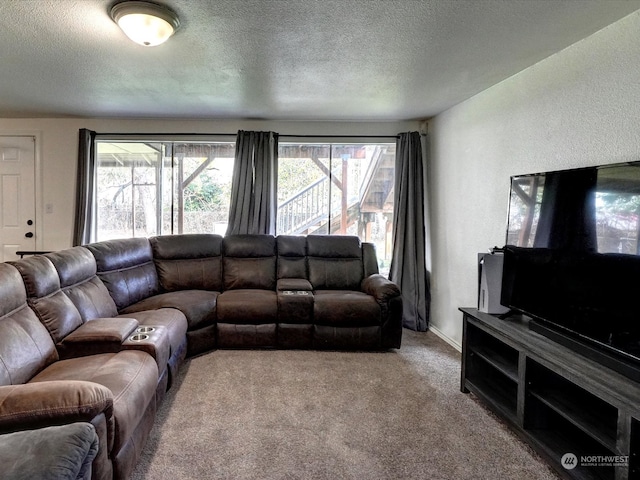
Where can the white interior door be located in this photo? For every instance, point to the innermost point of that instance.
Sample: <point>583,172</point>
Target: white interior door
<point>17,196</point>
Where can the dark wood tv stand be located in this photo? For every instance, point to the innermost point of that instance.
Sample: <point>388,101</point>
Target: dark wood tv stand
<point>557,400</point>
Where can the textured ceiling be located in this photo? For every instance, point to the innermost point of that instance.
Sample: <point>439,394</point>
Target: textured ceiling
<point>281,59</point>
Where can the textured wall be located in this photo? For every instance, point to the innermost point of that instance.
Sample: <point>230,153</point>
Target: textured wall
<point>578,107</point>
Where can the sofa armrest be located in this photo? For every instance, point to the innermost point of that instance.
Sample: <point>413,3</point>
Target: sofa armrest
<point>41,404</point>
<point>63,452</point>
<point>380,287</point>
<point>101,335</point>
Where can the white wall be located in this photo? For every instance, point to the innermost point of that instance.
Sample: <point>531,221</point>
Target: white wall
<point>578,107</point>
<point>57,144</point>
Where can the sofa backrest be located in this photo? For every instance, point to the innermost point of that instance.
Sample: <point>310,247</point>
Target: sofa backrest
<point>191,261</point>
<point>77,272</point>
<point>249,261</point>
<point>335,262</point>
<point>42,285</point>
<point>25,344</point>
<point>126,268</point>
<point>292,256</point>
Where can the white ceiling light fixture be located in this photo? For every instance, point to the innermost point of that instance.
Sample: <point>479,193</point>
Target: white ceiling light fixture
<point>146,23</point>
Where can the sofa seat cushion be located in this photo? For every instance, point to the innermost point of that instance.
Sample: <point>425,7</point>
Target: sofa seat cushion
<point>199,306</point>
<point>345,308</point>
<point>132,377</point>
<point>62,452</point>
<point>248,306</point>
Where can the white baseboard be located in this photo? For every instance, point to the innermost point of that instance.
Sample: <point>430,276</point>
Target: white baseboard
<point>449,340</point>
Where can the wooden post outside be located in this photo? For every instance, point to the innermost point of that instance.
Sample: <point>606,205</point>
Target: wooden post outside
<point>345,210</point>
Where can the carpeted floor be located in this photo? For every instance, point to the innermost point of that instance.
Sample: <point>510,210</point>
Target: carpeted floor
<point>277,414</point>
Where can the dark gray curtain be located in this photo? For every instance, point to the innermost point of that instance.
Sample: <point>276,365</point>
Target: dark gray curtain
<point>408,266</point>
<point>85,189</point>
<point>568,211</point>
<point>253,189</point>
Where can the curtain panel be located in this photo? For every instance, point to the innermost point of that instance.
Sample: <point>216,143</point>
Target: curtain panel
<point>408,263</point>
<point>84,225</point>
<point>253,188</point>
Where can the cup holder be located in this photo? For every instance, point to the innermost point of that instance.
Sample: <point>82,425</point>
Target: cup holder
<point>139,337</point>
<point>145,329</point>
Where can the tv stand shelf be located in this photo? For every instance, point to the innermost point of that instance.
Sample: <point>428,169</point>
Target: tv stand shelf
<point>556,399</point>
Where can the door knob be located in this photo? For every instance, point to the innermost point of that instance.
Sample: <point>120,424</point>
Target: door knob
<point>28,234</point>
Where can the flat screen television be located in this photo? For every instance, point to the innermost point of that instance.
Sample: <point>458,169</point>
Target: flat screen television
<point>572,259</point>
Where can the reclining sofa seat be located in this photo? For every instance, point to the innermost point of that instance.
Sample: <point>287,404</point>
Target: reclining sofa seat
<point>115,392</point>
<point>189,270</point>
<point>247,310</point>
<point>344,315</point>
<point>328,294</point>
<point>77,271</point>
<point>75,306</point>
<point>127,269</point>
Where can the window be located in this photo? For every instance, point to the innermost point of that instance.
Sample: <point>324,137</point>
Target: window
<point>158,188</point>
<point>338,189</point>
<point>147,188</point>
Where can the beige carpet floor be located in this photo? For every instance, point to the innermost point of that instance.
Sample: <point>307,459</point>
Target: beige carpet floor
<point>276,414</point>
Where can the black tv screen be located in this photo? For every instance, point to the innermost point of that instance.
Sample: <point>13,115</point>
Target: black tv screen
<point>572,259</point>
<point>590,293</point>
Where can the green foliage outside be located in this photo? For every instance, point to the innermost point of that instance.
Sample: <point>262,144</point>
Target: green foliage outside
<point>294,174</point>
<point>621,204</point>
<point>204,194</point>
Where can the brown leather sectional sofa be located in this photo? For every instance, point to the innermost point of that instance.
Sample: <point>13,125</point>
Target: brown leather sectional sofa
<point>97,333</point>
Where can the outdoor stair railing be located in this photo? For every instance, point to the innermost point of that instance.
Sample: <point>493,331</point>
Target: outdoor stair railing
<point>305,209</point>
<point>310,206</point>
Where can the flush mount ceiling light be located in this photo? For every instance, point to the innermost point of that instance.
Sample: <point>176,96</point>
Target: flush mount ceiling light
<point>146,23</point>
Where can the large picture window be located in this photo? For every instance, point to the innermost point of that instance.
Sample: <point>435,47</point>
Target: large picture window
<point>344,189</point>
<point>146,188</point>
<point>159,188</point>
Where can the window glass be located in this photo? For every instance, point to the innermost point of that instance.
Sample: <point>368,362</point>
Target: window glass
<point>158,188</point>
<point>338,189</point>
<point>147,188</point>
<point>202,176</point>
